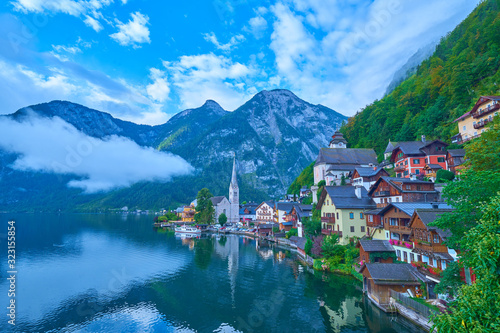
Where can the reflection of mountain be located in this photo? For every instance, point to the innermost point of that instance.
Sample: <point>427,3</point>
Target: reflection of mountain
<point>348,314</point>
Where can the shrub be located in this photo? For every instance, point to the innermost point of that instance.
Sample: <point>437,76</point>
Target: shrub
<point>444,176</point>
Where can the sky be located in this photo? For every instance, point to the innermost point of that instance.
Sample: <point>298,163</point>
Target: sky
<point>144,61</point>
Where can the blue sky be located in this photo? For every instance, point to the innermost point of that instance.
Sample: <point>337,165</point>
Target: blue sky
<point>147,60</point>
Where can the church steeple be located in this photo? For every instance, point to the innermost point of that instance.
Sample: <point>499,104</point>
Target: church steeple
<point>234,181</point>
<point>234,196</point>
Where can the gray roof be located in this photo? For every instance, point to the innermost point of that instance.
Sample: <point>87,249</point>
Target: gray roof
<point>391,181</point>
<point>368,171</point>
<point>376,245</point>
<point>409,207</point>
<point>430,215</point>
<point>345,197</point>
<point>286,206</point>
<point>392,273</point>
<point>456,152</point>
<point>304,210</point>
<point>434,166</point>
<point>410,147</point>
<point>216,200</point>
<point>390,147</point>
<point>353,156</point>
<point>251,209</point>
<point>300,241</point>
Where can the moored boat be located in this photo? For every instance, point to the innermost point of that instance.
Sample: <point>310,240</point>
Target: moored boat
<point>188,230</point>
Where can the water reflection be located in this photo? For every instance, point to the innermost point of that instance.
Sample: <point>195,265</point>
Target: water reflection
<point>108,273</point>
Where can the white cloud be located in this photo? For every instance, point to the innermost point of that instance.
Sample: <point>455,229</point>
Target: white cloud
<point>207,76</point>
<point>68,49</point>
<point>134,32</point>
<point>210,37</point>
<point>93,23</point>
<point>257,26</point>
<point>100,165</point>
<point>159,89</point>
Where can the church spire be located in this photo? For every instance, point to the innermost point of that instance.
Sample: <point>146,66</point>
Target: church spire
<point>234,181</point>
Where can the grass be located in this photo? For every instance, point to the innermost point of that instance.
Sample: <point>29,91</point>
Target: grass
<point>423,301</point>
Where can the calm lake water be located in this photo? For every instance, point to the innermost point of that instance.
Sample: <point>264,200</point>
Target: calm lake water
<point>113,273</point>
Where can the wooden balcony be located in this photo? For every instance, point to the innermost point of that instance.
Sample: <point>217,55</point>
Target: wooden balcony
<point>481,123</point>
<point>382,194</point>
<point>331,232</point>
<point>399,229</point>
<point>399,168</point>
<point>426,247</point>
<point>487,110</point>
<point>328,219</point>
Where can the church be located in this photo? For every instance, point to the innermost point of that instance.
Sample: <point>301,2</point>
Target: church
<point>231,207</point>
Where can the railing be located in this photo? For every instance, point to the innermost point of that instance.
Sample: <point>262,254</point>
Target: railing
<point>412,304</point>
<point>399,168</point>
<point>328,219</point>
<point>490,108</point>
<point>399,228</point>
<point>331,232</point>
<point>382,193</point>
<point>481,123</point>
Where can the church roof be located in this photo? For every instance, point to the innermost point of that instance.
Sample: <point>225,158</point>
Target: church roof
<point>217,200</point>
<point>234,181</point>
<point>352,156</point>
<point>390,147</point>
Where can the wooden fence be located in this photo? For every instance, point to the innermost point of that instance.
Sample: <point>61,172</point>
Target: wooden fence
<point>412,304</point>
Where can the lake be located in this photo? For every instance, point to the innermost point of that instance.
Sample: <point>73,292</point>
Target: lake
<point>116,273</point>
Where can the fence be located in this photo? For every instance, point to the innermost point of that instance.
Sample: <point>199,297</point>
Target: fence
<point>410,303</point>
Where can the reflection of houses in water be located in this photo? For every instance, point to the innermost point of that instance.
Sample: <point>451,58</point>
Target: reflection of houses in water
<point>348,315</point>
<point>263,249</point>
<point>231,251</point>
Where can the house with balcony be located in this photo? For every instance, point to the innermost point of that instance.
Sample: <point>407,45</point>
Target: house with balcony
<point>387,190</point>
<point>264,213</point>
<point>367,176</point>
<point>188,213</point>
<point>297,216</point>
<point>281,210</point>
<point>455,158</point>
<point>429,240</point>
<point>247,213</point>
<point>472,123</point>
<point>342,211</point>
<point>410,157</point>
<point>336,161</point>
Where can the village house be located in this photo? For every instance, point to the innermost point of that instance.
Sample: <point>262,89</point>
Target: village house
<point>376,250</point>
<point>428,240</point>
<point>472,123</point>
<point>188,213</point>
<point>367,176</point>
<point>338,161</point>
<point>281,211</point>
<point>410,158</point>
<point>455,158</point>
<point>264,213</point>
<point>294,218</point>
<point>247,213</point>
<point>388,150</point>
<point>380,278</point>
<point>302,212</point>
<point>304,192</point>
<point>387,190</point>
<point>342,211</point>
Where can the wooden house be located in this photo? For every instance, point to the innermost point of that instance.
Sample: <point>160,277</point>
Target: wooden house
<point>379,279</point>
<point>389,189</point>
<point>428,240</point>
<point>455,158</point>
<point>380,251</point>
<point>473,122</point>
<point>367,176</point>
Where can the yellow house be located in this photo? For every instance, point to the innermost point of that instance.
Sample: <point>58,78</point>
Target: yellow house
<point>472,123</point>
<point>188,213</point>
<point>342,211</point>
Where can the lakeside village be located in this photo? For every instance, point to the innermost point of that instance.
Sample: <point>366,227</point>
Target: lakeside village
<point>367,219</point>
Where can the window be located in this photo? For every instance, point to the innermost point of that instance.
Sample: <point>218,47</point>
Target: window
<point>474,123</point>
<point>419,187</point>
<point>398,254</point>
<point>370,218</point>
<point>475,133</point>
<point>440,159</point>
<point>397,199</point>
<point>351,215</point>
<point>436,239</point>
<point>352,229</point>
<point>412,257</point>
<point>390,200</point>
<point>431,262</point>
<point>362,229</point>
<point>426,160</point>
<point>395,210</point>
<point>405,256</point>
<point>464,128</point>
<point>361,215</point>
<point>406,173</point>
<point>417,171</point>
<point>393,221</point>
<point>408,187</point>
<point>416,161</point>
<point>337,215</point>
<point>406,162</point>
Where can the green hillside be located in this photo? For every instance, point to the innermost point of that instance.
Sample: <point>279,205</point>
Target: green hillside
<point>464,67</point>
<point>306,178</point>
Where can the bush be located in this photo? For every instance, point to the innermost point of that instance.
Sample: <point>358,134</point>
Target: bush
<point>292,232</point>
<point>444,176</point>
<point>308,246</point>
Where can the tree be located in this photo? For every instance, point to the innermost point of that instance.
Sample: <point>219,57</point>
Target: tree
<point>222,219</point>
<point>444,175</point>
<point>312,226</point>
<point>450,280</point>
<point>478,305</point>
<point>331,247</point>
<point>483,153</point>
<point>292,232</point>
<point>343,181</point>
<point>204,208</point>
<point>244,203</point>
<point>308,246</point>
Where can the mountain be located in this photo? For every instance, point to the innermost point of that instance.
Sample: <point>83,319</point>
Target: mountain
<point>464,67</point>
<point>411,66</point>
<point>274,136</point>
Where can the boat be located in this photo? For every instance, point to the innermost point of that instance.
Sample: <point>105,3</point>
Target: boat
<point>188,230</point>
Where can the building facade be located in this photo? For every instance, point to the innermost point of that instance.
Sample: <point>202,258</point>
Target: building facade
<point>472,123</point>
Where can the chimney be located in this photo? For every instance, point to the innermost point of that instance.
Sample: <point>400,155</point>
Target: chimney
<point>435,205</point>
<point>413,176</point>
<point>357,191</point>
<point>423,138</point>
